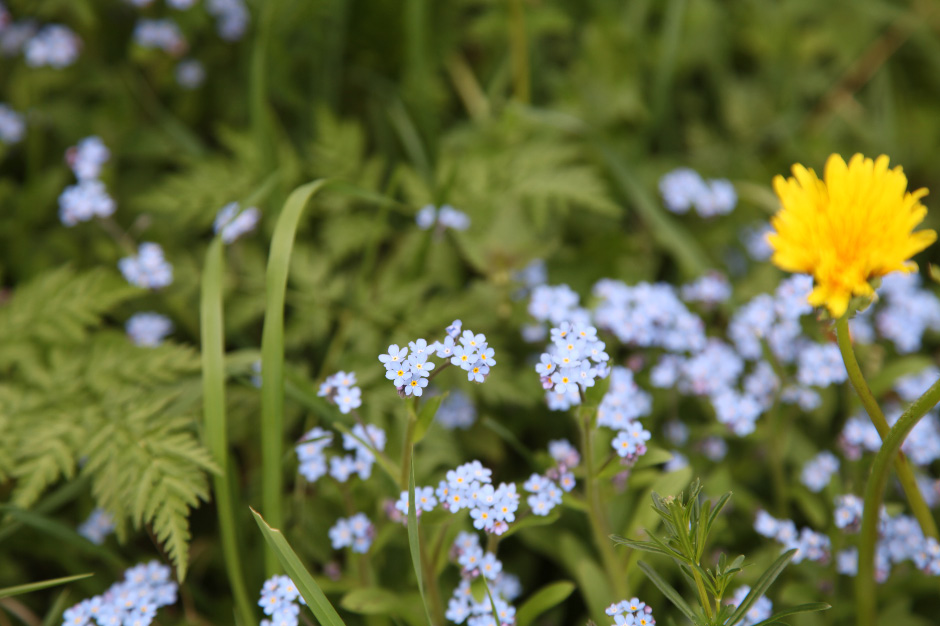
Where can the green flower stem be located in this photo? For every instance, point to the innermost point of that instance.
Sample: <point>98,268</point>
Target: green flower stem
<point>597,514</point>
<point>406,445</point>
<point>874,493</point>
<point>905,474</point>
<point>702,594</point>
<point>427,565</point>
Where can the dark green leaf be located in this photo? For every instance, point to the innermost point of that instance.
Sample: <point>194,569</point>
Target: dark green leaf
<point>542,600</point>
<point>667,590</point>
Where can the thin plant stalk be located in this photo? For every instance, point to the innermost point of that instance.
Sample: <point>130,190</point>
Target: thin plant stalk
<point>407,449</point>
<point>213,386</point>
<point>874,494</point>
<point>597,513</point>
<point>905,474</point>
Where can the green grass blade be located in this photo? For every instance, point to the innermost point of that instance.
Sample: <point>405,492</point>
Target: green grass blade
<point>542,600</point>
<point>414,544</point>
<point>54,613</point>
<point>317,602</point>
<point>272,357</point>
<point>213,393</point>
<point>760,587</point>
<point>43,584</point>
<point>668,590</point>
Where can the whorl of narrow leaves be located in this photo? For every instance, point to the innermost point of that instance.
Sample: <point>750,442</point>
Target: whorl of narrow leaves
<point>75,402</point>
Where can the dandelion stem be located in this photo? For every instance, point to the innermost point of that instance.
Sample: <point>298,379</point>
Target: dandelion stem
<point>874,493</point>
<point>903,467</point>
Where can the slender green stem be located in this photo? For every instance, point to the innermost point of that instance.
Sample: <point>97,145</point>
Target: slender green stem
<point>406,445</point>
<point>874,493</point>
<point>702,594</point>
<point>213,383</point>
<point>597,514</point>
<point>905,474</point>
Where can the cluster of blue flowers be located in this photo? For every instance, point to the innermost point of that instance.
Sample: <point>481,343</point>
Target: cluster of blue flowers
<point>149,269</point>
<point>410,372</point>
<point>810,545</point>
<point>574,359</point>
<point>648,316</point>
<point>456,411</point>
<point>470,487</point>
<point>134,601</point>
<point>341,390</point>
<point>684,188</point>
<point>148,329</point>
<point>907,312</point>
<point>362,442</point>
<point>709,290</point>
<point>631,612</point>
<point>446,217</point>
<point>819,470</point>
<point>759,611</point>
<point>546,489</point>
<point>279,598</point>
<point>52,45</point>
<point>620,409</point>
<point>463,606</point>
<point>162,34</point>
<point>233,223</point>
<point>89,198</point>
<point>900,539</point>
<point>12,125</point>
<point>922,446</point>
<point>355,532</point>
<point>97,527</point>
<point>231,17</point>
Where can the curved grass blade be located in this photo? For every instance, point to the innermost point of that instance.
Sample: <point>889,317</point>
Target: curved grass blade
<point>308,587</point>
<point>212,332</point>
<point>668,590</point>
<point>7,592</point>
<point>272,356</point>
<point>413,540</point>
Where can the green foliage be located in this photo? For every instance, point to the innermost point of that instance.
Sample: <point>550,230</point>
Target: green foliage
<point>80,401</point>
<point>688,521</point>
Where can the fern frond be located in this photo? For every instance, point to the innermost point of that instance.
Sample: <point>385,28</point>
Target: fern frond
<point>60,307</point>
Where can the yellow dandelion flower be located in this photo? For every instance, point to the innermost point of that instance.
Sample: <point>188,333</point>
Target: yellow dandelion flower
<point>855,225</point>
